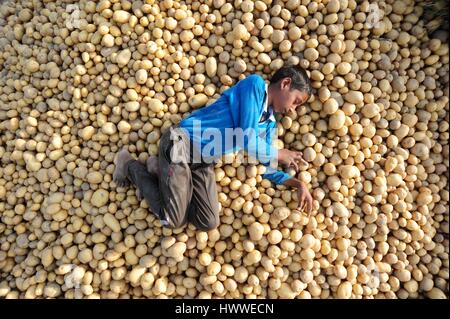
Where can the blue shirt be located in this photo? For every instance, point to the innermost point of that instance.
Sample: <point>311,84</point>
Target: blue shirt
<point>239,108</point>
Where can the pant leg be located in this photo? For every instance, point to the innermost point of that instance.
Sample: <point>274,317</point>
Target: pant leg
<point>175,181</point>
<point>204,207</point>
<point>169,196</point>
<point>147,184</point>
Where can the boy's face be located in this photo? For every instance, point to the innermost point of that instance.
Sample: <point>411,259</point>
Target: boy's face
<point>286,99</point>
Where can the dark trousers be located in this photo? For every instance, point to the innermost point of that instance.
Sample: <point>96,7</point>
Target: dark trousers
<point>184,192</point>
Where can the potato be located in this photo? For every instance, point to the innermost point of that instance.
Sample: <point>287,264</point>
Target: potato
<point>132,106</point>
<point>274,236</point>
<point>344,290</point>
<point>141,76</point>
<point>47,257</point>
<point>370,110</point>
<point>100,198</point>
<point>94,178</point>
<point>108,40</point>
<point>111,222</point>
<point>286,292</point>
<point>123,57</point>
<point>136,274</point>
<point>309,139</point>
<point>211,66</point>
<point>177,250</point>
<point>155,105</point>
<point>108,129</point>
<point>256,231</point>
<point>330,106</point>
<point>198,100</point>
<point>337,120</point>
<point>121,16</point>
<point>436,293</point>
<point>205,259</point>
<point>87,132</point>
<point>213,268</point>
<point>354,97</point>
<point>124,127</point>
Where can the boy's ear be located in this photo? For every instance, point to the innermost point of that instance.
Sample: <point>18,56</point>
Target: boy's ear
<point>285,83</point>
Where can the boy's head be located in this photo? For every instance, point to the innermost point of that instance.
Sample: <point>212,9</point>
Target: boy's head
<point>290,88</point>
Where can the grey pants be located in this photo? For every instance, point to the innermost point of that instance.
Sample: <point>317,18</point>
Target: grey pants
<point>184,192</point>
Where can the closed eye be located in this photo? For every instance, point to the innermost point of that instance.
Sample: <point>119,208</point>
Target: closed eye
<point>302,102</point>
<point>298,103</point>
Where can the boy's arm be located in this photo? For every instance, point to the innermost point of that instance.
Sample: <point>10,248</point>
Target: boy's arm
<point>250,98</point>
<point>274,175</point>
<point>305,200</point>
<point>279,177</point>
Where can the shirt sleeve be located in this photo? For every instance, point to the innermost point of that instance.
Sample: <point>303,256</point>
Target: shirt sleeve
<point>274,175</point>
<point>250,97</point>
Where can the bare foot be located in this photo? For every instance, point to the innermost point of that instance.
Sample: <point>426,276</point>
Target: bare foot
<point>120,174</point>
<point>153,165</point>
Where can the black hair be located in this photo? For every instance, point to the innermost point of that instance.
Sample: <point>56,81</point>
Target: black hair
<point>298,75</point>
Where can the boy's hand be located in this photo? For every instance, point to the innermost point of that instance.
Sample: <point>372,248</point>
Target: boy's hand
<point>290,158</point>
<point>305,200</point>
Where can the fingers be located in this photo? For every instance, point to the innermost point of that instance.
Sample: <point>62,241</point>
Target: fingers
<point>305,204</point>
<point>298,155</point>
<point>301,204</point>
<point>303,161</point>
<point>294,163</point>
<point>309,205</point>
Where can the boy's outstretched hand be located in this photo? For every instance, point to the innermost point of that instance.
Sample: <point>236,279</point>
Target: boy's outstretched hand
<point>290,158</point>
<point>305,200</point>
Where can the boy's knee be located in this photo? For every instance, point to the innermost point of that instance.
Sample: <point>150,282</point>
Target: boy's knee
<point>210,224</point>
<point>173,224</point>
<point>177,223</point>
<point>172,221</point>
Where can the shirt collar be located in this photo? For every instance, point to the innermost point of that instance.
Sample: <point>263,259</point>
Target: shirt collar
<point>266,105</point>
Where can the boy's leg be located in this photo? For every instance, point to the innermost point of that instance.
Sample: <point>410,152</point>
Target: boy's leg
<point>175,185</point>
<point>152,165</point>
<point>168,196</point>
<point>204,207</point>
<point>146,184</point>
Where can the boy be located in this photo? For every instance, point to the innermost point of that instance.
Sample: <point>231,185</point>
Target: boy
<point>184,190</point>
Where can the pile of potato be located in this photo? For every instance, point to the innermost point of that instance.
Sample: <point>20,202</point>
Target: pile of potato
<point>76,85</point>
